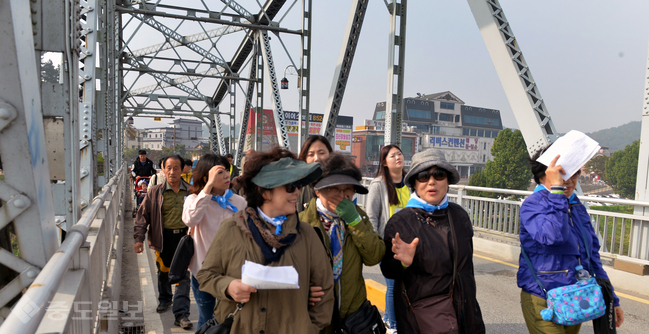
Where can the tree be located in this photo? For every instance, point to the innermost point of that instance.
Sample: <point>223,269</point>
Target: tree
<point>622,170</point>
<point>509,168</point>
<point>597,165</point>
<point>49,73</point>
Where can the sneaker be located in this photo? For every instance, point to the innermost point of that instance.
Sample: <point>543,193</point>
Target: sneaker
<point>183,322</point>
<point>162,307</point>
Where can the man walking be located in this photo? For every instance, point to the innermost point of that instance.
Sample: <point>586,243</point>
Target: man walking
<point>142,166</point>
<point>161,214</point>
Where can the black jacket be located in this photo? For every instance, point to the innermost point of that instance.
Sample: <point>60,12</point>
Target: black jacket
<point>142,170</point>
<point>431,271</point>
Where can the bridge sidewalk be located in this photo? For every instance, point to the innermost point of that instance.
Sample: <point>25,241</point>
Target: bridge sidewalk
<point>139,285</point>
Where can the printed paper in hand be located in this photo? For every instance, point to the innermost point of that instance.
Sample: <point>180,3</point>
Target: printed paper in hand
<point>266,277</point>
<point>575,149</point>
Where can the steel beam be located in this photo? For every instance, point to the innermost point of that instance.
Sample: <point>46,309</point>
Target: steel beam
<point>22,141</point>
<point>169,33</point>
<point>245,115</point>
<point>239,9</point>
<point>396,64</point>
<point>304,74</point>
<point>191,38</point>
<point>639,241</point>
<point>271,8</point>
<point>514,73</point>
<point>259,113</point>
<point>278,110</point>
<point>343,68</point>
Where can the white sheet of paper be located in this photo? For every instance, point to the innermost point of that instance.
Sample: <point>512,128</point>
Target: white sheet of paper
<point>575,149</point>
<point>266,277</point>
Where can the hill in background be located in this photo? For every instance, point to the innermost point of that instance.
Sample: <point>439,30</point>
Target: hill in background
<point>617,138</point>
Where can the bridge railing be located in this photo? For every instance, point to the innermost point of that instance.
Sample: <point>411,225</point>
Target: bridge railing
<point>79,287</point>
<point>620,234</point>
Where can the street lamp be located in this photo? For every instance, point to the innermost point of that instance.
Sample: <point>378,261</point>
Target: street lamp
<point>284,81</point>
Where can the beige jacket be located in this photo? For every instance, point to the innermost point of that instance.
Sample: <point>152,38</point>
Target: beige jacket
<point>269,311</point>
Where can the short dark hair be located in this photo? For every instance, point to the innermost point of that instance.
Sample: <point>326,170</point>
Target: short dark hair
<point>254,162</point>
<point>538,169</point>
<point>188,162</point>
<point>163,161</point>
<point>140,152</point>
<point>309,141</point>
<point>202,170</point>
<point>229,156</point>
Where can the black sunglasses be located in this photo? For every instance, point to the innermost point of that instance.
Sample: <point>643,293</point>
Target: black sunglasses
<point>437,174</point>
<point>291,187</point>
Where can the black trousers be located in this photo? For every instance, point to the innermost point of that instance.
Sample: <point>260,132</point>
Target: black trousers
<point>180,298</point>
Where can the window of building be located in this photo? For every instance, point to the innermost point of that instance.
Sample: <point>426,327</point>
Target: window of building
<point>457,118</point>
<point>407,148</point>
<point>481,120</point>
<point>487,133</point>
<point>485,146</point>
<point>473,132</point>
<point>373,146</point>
<point>480,133</point>
<point>419,113</point>
<point>446,117</point>
<point>465,132</point>
<point>484,157</point>
<point>421,127</point>
<point>447,105</point>
<point>436,130</point>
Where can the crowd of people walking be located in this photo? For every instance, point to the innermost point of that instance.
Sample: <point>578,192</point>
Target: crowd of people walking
<point>301,213</point>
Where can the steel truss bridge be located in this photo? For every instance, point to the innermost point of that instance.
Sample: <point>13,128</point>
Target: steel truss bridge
<point>61,143</point>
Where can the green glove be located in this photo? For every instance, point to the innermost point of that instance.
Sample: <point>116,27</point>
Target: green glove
<point>346,209</point>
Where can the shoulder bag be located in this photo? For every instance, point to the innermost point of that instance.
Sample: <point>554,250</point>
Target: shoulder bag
<point>436,314</point>
<point>366,320</point>
<point>212,327</point>
<point>572,304</point>
<point>182,257</point>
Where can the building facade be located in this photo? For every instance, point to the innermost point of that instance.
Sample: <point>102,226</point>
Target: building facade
<point>464,133</point>
<point>181,131</point>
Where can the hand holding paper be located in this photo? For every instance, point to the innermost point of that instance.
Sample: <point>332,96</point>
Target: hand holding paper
<point>267,277</point>
<point>574,148</point>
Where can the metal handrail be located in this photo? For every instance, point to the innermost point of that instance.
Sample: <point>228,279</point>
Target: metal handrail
<point>42,290</point>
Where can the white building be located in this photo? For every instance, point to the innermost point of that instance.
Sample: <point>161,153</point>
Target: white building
<point>181,131</point>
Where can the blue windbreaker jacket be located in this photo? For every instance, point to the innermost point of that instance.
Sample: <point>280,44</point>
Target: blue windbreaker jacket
<point>554,243</point>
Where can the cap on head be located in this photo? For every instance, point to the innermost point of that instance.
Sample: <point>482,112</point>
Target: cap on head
<point>287,170</point>
<point>427,159</point>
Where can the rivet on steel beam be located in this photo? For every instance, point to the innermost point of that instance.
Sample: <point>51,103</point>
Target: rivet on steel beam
<point>69,209</point>
<point>84,172</point>
<point>84,203</point>
<point>4,113</point>
<point>32,274</point>
<point>85,118</point>
<point>19,203</point>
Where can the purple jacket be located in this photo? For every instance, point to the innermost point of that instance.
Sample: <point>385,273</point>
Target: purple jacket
<point>552,239</point>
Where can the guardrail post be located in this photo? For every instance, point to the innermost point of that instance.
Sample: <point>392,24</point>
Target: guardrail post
<point>460,195</point>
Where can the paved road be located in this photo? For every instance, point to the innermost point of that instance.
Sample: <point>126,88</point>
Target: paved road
<point>499,299</point>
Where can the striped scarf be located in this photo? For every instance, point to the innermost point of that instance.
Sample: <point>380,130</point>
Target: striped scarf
<point>335,228</point>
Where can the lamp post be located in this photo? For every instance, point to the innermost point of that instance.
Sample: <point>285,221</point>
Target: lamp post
<point>284,85</point>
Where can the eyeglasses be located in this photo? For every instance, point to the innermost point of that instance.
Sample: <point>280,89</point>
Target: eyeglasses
<point>291,187</point>
<point>575,176</point>
<point>437,174</point>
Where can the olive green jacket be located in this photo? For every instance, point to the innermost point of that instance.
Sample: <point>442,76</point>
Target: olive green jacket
<point>361,246</point>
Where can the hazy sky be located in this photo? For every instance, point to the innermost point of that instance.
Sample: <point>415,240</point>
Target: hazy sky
<point>588,58</point>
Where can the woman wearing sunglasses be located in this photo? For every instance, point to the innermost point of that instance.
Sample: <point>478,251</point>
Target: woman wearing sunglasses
<point>552,221</point>
<point>268,232</point>
<point>211,201</point>
<point>429,254</point>
<point>346,233</point>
